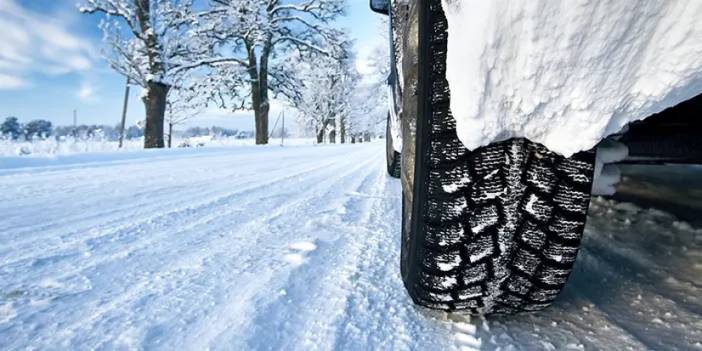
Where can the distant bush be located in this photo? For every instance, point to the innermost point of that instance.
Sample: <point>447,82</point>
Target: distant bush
<point>11,128</point>
<point>84,132</point>
<point>37,128</point>
<point>212,131</point>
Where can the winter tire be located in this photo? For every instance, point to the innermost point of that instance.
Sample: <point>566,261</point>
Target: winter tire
<point>492,230</point>
<point>392,157</point>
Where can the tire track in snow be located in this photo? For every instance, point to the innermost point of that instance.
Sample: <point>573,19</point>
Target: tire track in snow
<point>378,313</point>
<point>91,182</point>
<point>118,227</point>
<point>326,183</point>
<point>250,301</point>
<point>316,290</point>
<point>217,275</point>
<point>135,209</point>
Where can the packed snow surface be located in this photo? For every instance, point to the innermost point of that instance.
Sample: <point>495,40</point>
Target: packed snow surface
<point>295,248</point>
<point>568,73</point>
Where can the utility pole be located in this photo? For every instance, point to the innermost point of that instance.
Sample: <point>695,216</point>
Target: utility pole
<point>75,123</point>
<point>124,114</point>
<point>282,132</point>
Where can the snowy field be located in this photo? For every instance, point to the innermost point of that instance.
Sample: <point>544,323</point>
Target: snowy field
<point>290,248</point>
<point>52,147</point>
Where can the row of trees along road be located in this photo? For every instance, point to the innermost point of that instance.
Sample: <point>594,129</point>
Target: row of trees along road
<point>11,128</point>
<point>232,53</point>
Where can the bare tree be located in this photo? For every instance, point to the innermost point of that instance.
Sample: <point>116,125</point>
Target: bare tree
<point>261,36</point>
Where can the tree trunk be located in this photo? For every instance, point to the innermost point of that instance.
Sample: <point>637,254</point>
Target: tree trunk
<point>261,118</point>
<point>342,130</point>
<point>155,104</point>
<point>258,72</point>
<point>170,134</point>
<point>320,136</point>
<point>332,137</point>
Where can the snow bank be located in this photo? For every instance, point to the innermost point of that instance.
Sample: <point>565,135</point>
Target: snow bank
<point>568,73</point>
<point>52,147</point>
<point>67,146</point>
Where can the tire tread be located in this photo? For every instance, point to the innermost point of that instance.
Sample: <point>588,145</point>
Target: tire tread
<point>502,223</point>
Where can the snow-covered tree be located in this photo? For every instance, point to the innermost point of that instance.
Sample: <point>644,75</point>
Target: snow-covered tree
<point>324,95</point>
<point>150,43</point>
<point>371,95</point>
<point>261,36</point>
<point>38,128</point>
<point>11,128</point>
<point>184,102</point>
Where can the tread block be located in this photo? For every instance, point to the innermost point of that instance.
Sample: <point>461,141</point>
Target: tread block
<point>470,293</point>
<point>482,218</point>
<point>445,210</point>
<point>533,236</point>
<point>537,207</point>
<point>447,151</point>
<point>472,305</point>
<point>525,262</point>
<point>444,236</point>
<point>440,32</point>
<point>475,273</point>
<point>572,200</point>
<point>440,90</point>
<point>512,300</point>
<point>565,228</point>
<point>480,247</point>
<point>541,177</point>
<point>438,283</point>
<point>439,67</point>
<point>518,284</point>
<point>560,253</point>
<point>488,189</point>
<point>577,171</point>
<point>553,276</point>
<point>453,182</point>
<point>443,121</point>
<point>443,261</point>
<point>488,161</point>
<point>440,297</point>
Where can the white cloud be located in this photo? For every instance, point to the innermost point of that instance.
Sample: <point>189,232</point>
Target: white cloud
<point>8,82</point>
<point>36,43</point>
<point>86,92</point>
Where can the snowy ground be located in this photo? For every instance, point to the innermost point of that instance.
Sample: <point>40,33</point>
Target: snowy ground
<point>293,248</point>
<point>70,146</point>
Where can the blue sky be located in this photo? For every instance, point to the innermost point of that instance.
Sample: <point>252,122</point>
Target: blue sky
<point>51,63</point>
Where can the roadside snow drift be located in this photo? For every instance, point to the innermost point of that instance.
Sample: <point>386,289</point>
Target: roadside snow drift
<point>568,73</point>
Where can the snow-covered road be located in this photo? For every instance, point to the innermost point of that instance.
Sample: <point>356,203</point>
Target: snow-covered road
<point>293,248</point>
